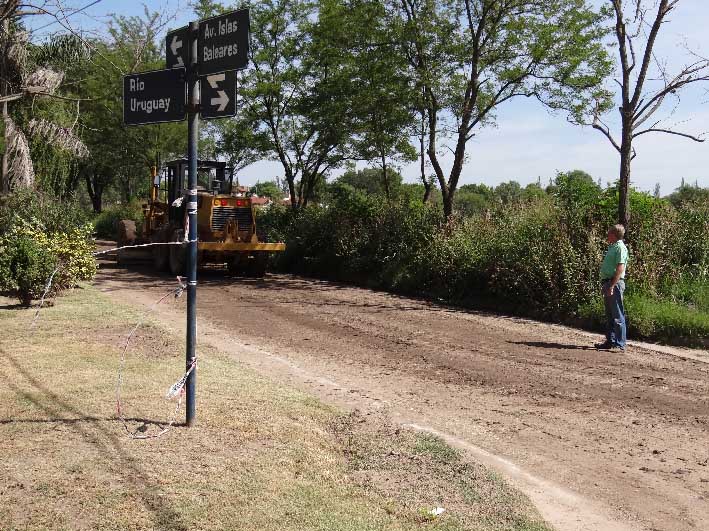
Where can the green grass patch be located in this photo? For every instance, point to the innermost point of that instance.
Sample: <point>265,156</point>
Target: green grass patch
<point>261,457</point>
<point>436,447</point>
<point>667,320</point>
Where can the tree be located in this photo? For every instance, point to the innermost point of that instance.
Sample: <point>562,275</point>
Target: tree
<point>121,156</point>
<point>358,33</point>
<point>687,193</point>
<point>268,189</point>
<point>470,56</point>
<point>30,80</point>
<point>371,181</point>
<point>643,94</point>
<point>238,142</point>
<point>294,91</point>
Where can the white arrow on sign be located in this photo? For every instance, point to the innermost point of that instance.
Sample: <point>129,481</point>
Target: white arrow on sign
<point>223,100</point>
<point>175,46</point>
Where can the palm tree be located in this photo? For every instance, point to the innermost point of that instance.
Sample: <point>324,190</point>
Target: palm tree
<point>26,74</point>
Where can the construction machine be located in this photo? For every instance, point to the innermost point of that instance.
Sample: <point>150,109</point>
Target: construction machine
<point>226,223</point>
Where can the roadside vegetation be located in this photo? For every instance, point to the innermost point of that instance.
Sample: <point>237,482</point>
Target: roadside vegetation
<point>261,457</point>
<point>529,251</point>
<point>334,85</point>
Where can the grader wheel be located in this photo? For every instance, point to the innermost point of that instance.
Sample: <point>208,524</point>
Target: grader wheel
<point>257,265</point>
<point>161,253</point>
<point>178,254</point>
<point>126,236</point>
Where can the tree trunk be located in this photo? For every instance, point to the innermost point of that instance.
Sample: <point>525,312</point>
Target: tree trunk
<point>4,91</point>
<point>448,206</point>
<point>385,178</point>
<point>427,185</point>
<point>626,156</point>
<point>94,187</point>
<point>4,169</point>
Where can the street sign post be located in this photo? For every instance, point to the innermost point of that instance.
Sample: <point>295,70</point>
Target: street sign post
<point>176,48</point>
<point>154,97</point>
<point>224,42</point>
<point>201,60</point>
<point>218,95</point>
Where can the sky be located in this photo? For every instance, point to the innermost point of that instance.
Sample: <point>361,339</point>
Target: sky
<point>528,143</point>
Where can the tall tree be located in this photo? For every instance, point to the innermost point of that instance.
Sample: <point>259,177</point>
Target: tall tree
<point>33,107</point>
<point>645,82</point>
<point>121,156</point>
<point>358,34</point>
<point>471,56</point>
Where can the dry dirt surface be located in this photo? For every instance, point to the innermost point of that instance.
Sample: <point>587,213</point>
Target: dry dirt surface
<point>598,440</point>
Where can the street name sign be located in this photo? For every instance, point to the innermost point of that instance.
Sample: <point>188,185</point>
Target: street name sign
<point>177,48</point>
<point>223,43</point>
<point>154,97</point>
<point>218,95</point>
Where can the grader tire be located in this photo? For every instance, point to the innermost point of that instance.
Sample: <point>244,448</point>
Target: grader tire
<point>161,253</point>
<point>237,264</point>
<point>257,265</point>
<point>126,236</point>
<point>178,255</point>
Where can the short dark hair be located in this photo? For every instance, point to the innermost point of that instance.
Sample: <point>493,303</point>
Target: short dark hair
<point>618,230</point>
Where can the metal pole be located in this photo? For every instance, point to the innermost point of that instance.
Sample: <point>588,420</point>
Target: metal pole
<point>192,155</point>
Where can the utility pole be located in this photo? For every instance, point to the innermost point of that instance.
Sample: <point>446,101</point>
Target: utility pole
<point>192,156</point>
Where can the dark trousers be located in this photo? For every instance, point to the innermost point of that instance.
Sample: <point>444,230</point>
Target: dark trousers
<point>615,314</point>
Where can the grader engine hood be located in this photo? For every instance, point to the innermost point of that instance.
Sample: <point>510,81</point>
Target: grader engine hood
<point>225,218</point>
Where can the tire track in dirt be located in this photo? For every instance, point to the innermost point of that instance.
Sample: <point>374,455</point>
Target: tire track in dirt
<point>628,431</point>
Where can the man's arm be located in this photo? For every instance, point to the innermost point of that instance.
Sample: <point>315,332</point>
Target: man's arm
<point>618,273</point>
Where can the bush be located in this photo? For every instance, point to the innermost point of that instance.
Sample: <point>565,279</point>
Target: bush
<point>35,242</point>
<point>539,257</point>
<point>106,223</point>
<point>25,268</point>
<point>37,208</point>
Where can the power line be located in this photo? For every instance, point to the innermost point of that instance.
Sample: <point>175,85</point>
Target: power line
<point>69,15</point>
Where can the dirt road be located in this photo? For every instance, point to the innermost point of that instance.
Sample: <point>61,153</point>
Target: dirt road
<point>597,440</point>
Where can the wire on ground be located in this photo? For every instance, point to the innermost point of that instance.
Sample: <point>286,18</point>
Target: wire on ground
<point>177,389</point>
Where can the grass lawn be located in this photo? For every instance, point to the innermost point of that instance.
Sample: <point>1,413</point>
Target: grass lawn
<point>262,456</point>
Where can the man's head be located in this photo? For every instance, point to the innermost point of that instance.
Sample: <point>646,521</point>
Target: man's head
<point>615,233</point>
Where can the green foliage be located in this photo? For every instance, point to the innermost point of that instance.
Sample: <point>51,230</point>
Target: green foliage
<point>38,235</point>
<point>25,266</point>
<point>537,255</point>
<point>268,189</point>
<point>40,209</point>
<point>371,181</point>
<point>106,223</point>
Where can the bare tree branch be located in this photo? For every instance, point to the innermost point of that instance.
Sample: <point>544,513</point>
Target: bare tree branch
<point>671,132</point>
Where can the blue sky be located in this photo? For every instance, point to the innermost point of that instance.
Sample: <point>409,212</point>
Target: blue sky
<point>528,142</point>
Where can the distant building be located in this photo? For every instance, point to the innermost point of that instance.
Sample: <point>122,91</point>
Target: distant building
<point>261,202</point>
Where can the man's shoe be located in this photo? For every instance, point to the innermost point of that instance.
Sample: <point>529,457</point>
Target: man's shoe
<point>606,345</point>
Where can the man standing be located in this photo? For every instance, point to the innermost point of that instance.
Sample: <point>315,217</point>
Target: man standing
<point>612,286</point>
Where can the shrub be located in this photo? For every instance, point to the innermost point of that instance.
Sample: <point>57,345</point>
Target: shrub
<point>32,206</point>
<point>35,241</point>
<point>25,267</point>
<point>106,223</point>
<point>537,257</point>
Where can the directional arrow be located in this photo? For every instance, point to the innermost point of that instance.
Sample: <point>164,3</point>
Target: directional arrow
<point>222,101</point>
<point>174,47</point>
<point>215,79</point>
<point>218,95</point>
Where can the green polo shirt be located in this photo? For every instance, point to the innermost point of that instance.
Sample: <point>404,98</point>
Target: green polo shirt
<point>617,253</point>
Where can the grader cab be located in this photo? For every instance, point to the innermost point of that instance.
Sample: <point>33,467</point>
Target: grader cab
<point>226,222</point>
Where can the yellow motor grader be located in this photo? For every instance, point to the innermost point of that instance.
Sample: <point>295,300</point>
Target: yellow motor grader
<point>226,223</point>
